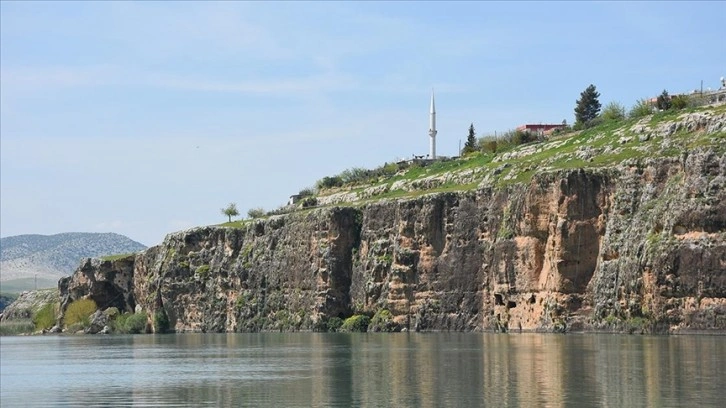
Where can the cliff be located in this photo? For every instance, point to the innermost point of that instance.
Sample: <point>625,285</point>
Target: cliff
<point>636,245</point>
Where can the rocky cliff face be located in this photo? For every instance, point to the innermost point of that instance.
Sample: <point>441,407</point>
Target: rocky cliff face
<point>637,247</point>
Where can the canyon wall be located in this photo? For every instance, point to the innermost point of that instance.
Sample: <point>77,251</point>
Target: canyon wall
<point>636,247</point>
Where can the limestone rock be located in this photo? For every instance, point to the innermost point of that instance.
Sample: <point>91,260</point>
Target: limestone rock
<point>638,247</point>
<point>99,321</point>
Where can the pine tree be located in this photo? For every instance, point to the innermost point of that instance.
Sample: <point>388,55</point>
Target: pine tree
<point>588,106</point>
<point>470,144</point>
<point>664,101</point>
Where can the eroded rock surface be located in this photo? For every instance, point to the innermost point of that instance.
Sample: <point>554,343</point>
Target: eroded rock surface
<point>637,247</point>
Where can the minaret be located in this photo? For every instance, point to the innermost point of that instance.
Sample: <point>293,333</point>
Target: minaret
<point>432,127</point>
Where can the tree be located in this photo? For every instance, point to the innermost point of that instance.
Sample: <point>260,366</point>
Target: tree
<point>663,102</point>
<point>588,107</point>
<point>470,144</point>
<point>230,211</point>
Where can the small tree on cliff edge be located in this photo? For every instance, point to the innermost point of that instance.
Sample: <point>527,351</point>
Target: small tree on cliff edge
<point>470,144</point>
<point>587,108</point>
<point>230,211</point>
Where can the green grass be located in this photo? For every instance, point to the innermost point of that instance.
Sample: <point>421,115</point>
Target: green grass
<point>609,143</point>
<point>235,224</point>
<point>16,286</point>
<point>45,317</point>
<point>16,327</point>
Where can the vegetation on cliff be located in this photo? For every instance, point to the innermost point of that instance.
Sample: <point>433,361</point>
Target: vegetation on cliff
<point>613,139</point>
<point>618,227</point>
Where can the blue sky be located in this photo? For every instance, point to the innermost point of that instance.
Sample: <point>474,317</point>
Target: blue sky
<point>144,118</point>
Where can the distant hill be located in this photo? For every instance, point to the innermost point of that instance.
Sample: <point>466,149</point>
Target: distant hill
<point>49,257</point>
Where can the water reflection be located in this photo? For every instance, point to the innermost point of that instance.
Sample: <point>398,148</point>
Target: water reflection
<point>341,370</point>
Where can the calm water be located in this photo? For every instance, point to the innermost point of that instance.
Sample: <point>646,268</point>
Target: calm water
<point>377,370</point>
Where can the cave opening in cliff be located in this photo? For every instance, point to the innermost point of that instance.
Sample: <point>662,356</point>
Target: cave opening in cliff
<point>511,304</point>
<point>498,299</point>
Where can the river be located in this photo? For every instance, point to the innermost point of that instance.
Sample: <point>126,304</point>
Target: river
<point>363,370</point>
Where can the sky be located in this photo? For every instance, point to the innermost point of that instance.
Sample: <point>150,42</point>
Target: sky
<point>145,118</point>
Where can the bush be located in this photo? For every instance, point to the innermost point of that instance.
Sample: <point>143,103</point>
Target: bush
<point>79,312</point>
<point>356,323</point>
<point>329,182</point>
<point>111,313</point>
<point>640,109</point>
<point>130,323</point>
<point>309,202</point>
<point>334,324</point>
<point>45,317</point>
<point>383,321</point>
<point>306,192</point>
<point>613,112</point>
<point>488,145</point>
<point>161,321</point>
<point>357,175</point>
<point>256,212</point>
<point>595,122</point>
<point>521,137</point>
<point>679,102</point>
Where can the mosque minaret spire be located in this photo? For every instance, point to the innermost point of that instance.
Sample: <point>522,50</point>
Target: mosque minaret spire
<point>432,127</point>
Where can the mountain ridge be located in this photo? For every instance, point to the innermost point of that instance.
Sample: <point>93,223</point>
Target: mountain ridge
<point>57,255</point>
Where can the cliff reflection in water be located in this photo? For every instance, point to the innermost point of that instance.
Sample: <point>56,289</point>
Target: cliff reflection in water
<point>311,369</point>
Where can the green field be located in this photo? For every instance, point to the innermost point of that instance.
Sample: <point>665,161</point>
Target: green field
<point>21,285</point>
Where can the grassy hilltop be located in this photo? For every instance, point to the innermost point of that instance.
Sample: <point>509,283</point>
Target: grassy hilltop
<point>611,142</point>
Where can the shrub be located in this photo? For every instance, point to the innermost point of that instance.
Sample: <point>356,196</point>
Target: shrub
<point>329,182</point>
<point>45,317</point>
<point>79,312</point>
<point>130,323</point>
<point>613,111</point>
<point>640,109</point>
<point>595,122</point>
<point>488,145</point>
<point>679,102</point>
<point>256,212</point>
<point>306,192</point>
<point>309,202</point>
<point>383,321</point>
<point>356,323</point>
<point>161,321</point>
<point>334,324</point>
